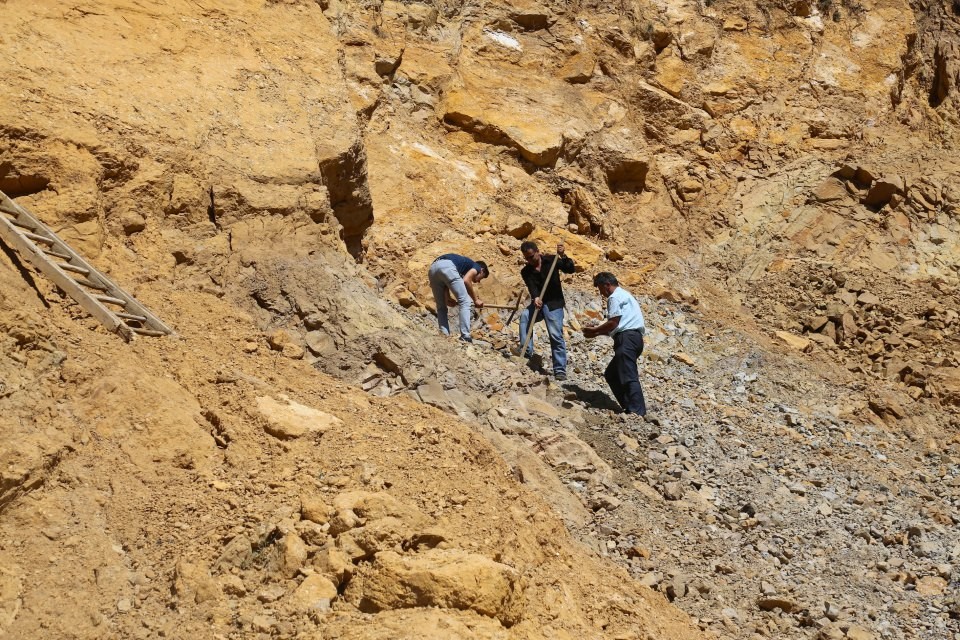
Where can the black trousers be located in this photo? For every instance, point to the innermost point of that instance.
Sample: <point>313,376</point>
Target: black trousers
<point>622,374</point>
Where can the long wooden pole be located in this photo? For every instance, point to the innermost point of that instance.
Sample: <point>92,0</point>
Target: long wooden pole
<point>516,306</point>
<point>533,320</point>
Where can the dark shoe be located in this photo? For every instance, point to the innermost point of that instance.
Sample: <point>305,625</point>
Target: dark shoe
<point>466,339</point>
<point>560,377</point>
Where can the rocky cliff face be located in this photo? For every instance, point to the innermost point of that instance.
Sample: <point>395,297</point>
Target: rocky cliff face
<point>774,179</point>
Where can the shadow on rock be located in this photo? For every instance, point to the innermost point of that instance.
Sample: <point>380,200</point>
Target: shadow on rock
<point>593,398</point>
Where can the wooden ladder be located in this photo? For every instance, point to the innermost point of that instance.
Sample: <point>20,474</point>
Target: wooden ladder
<point>117,310</point>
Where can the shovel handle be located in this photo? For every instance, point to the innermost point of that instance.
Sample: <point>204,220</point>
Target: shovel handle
<point>533,320</point>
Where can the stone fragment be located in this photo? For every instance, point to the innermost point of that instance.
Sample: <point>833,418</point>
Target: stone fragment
<point>856,632</point>
<point>315,593</point>
<point>518,227</point>
<point>238,553</point>
<point>446,578</point>
<point>314,509</point>
<point>132,222</point>
<point>672,490</point>
<point>334,564</point>
<point>931,585</point>
<point>769,603</point>
<point>232,585</point>
<point>684,358</point>
<point>193,583</point>
<point>794,341</point>
<point>689,190</point>
<point>286,419</point>
<point>271,593</point>
<point>293,554</point>
<point>578,69</point>
<point>604,501</point>
<point>651,579</point>
<point>882,190</point>
<point>830,190</point>
<point>868,299</point>
<point>629,444</point>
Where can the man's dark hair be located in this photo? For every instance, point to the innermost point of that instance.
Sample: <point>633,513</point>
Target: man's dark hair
<point>605,277</point>
<point>483,266</point>
<point>526,246</point>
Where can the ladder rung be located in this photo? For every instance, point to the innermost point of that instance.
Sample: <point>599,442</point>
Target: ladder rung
<point>11,210</point>
<point>74,268</point>
<point>148,332</point>
<point>130,316</point>
<point>22,225</point>
<point>57,254</point>
<point>37,238</point>
<point>111,300</point>
<point>92,285</point>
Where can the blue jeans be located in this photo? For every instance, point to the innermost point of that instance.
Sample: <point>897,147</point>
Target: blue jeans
<point>444,275</point>
<point>554,320</point>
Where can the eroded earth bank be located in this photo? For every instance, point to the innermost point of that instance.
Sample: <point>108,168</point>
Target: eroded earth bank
<point>309,458</point>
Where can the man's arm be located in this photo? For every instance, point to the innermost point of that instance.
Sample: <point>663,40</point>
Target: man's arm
<point>527,275</point>
<point>565,264</point>
<point>469,282</point>
<point>604,329</point>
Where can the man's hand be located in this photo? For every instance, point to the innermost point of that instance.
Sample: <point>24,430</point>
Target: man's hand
<point>538,302</point>
<point>478,304</point>
<point>560,250</point>
<point>590,331</point>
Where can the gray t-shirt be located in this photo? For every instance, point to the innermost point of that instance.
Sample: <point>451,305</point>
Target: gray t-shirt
<point>622,304</point>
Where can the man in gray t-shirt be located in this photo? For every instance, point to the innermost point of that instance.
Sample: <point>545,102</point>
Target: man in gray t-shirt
<point>625,323</point>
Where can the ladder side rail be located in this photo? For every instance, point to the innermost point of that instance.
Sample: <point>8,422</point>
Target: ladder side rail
<point>33,253</point>
<point>133,305</point>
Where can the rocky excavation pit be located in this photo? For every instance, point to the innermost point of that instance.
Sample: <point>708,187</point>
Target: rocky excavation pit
<point>309,457</point>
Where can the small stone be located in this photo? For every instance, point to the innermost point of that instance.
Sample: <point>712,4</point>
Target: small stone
<point>314,509</point>
<point>132,222</point>
<point>931,585</point>
<point>769,603</point>
<point>615,255</point>
<point>672,490</point>
<point>124,605</point>
<point>794,341</point>
<point>314,593</point>
<point>684,358</point>
<point>856,632</point>
<point>232,585</point>
<point>651,579</point>
<point>604,501</point>
<point>263,624</point>
<point>271,593</point>
<point>831,611</point>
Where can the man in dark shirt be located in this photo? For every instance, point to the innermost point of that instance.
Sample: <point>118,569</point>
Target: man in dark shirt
<point>551,306</point>
<point>459,275</point>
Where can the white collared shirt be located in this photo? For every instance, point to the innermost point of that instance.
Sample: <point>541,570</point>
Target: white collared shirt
<point>622,304</point>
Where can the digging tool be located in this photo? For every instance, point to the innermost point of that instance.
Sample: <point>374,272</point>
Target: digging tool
<point>515,308</point>
<point>533,320</point>
<point>500,306</point>
<point>489,306</point>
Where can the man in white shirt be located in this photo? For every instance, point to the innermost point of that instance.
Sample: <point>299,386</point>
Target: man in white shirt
<point>625,323</point>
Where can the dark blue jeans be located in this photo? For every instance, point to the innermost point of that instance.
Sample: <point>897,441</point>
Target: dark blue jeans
<point>622,374</point>
<point>554,321</point>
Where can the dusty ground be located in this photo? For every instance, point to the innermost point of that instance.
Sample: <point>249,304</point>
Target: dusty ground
<point>308,458</point>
